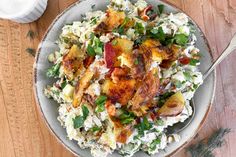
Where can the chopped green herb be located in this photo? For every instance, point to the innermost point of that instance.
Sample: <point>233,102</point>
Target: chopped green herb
<point>95,129</point>
<point>160,9</point>
<point>139,29</point>
<point>193,62</point>
<point>79,120</point>
<point>31,34</point>
<point>154,143</point>
<point>126,117</point>
<point>90,50</point>
<point>114,42</point>
<point>181,39</point>
<point>64,83</point>
<point>54,70</point>
<point>142,126</point>
<point>31,51</point>
<point>178,84</point>
<point>187,76</point>
<point>100,102</point>
<point>93,20</point>
<point>121,28</point>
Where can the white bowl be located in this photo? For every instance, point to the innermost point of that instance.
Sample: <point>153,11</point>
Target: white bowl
<point>203,97</point>
<point>32,12</point>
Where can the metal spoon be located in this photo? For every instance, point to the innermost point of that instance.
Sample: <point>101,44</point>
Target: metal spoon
<point>182,125</point>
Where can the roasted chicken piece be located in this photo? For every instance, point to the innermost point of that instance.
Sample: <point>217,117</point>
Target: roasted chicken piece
<point>112,51</point>
<point>175,52</point>
<point>121,92</point>
<point>72,62</point>
<point>152,48</point>
<point>173,106</point>
<point>147,90</point>
<point>81,85</point>
<point>113,20</point>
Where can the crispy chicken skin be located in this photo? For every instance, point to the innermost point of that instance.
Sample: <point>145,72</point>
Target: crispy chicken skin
<point>81,86</point>
<point>72,62</point>
<point>146,91</point>
<point>121,92</point>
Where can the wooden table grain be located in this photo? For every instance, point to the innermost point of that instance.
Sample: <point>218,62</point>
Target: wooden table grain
<point>22,130</point>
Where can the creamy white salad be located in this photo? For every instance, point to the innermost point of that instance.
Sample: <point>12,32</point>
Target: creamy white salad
<point>123,76</point>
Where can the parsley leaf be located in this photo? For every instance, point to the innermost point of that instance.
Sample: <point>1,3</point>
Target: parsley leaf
<point>160,9</point>
<point>193,62</point>
<point>79,120</point>
<point>54,70</point>
<point>126,117</point>
<point>181,39</point>
<point>154,144</point>
<point>144,125</point>
<point>187,76</point>
<point>90,50</point>
<point>100,102</point>
<point>139,29</point>
<point>95,128</point>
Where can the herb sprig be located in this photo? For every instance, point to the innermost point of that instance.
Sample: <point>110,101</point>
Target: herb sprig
<point>206,146</point>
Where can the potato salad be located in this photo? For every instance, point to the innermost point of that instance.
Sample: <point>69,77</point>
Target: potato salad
<point>123,76</point>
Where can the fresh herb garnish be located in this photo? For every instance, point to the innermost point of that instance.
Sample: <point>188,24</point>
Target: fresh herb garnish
<point>93,20</point>
<point>142,126</point>
<point>95,46</point>
<point>31,51</point>
<point>139,29</point>
<point>63,84</point>
<point>121,28</point>
<point>187,76</point>
<point>206,146</point>
<point>90,50</point>
<point>54,70</point>
<point>164,97</point>
<point>193,62</point>
<point>181,39</point>
<point>79,120</point>
<point>126,117</point>
<point>160,9</point>
<point>100,102</point>
<point>154,144</point>
<point>31,34</point>
<point>95,129</point>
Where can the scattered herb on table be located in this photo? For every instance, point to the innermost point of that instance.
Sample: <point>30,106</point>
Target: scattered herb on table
<point>31,51</point>
<point>31,34</point>
<point>206,146</point>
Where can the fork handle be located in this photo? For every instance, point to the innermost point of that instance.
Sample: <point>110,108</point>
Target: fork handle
<point>230,48</point>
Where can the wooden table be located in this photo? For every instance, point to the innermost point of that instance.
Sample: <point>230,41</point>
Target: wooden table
<point>22,130</point>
